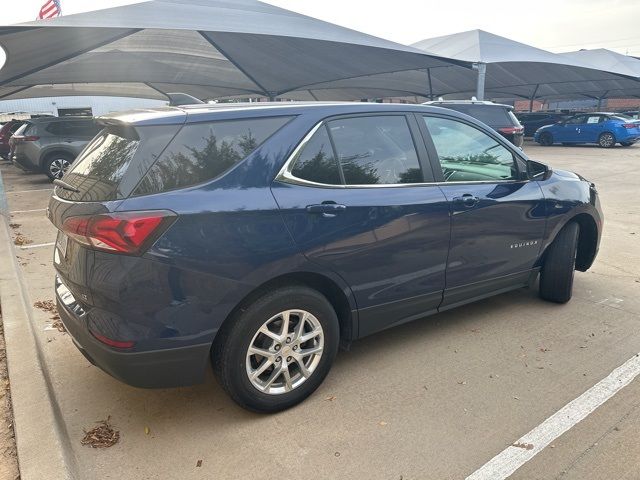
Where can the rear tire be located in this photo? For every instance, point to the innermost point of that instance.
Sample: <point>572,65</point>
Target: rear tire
<point>238,369</point>
<point>56,164</point>
<point>556,276</point>
<point>546,139</point>
<point>606,140</point>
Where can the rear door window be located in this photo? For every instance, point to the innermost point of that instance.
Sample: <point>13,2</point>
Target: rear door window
<point>316,162</point>
<point>376,150</point>
<point>204,151</point>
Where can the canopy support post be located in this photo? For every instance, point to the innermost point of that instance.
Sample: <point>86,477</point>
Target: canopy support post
<point>604,95</point>
<point>533,97</point>
<point>482,73</point>
<point>430,85</point>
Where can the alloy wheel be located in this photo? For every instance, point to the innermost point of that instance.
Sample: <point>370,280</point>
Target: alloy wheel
<point>58,167</point>
<point>606,140</point>
<point>284,352</point>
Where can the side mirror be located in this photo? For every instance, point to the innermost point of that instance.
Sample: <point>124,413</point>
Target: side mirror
<point>538,171</point>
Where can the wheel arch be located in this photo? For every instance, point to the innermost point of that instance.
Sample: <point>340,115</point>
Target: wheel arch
<point>335,294</point>
<point>587,240</point>
<point>55,151</point>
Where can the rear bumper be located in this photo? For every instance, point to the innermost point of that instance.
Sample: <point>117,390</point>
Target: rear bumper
<point>23,162</point>
<point>171,367</point>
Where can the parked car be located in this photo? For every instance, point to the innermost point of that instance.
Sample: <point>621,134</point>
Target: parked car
<point>262,237</point>
<point>635,114</point>
<point>532,121</point>
<point>7,130</point>
<point>50,144</point>
<point>605,129</point>
<point>499,117</point>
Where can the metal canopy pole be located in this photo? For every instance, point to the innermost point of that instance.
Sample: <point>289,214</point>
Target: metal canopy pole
<point>533,97</point>
<point>482,73</point>
<point>430,86</point>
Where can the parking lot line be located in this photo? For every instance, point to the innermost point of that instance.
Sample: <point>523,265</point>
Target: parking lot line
<point>517,454</point>
<point>31,190</point>
<point>37,245</point>
<point>28,211</point>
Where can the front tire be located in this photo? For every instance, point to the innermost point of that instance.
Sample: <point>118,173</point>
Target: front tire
<point>56,165</point>
<point>606,140</point>
<point>275,352</point>
<point>556,276</point>
<point>546,139</point>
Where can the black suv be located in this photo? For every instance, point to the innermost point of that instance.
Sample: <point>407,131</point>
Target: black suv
<point>532,121</point>
<point>498,116</point>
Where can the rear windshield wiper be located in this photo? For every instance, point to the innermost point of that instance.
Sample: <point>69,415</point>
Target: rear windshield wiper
<point>65,185</point>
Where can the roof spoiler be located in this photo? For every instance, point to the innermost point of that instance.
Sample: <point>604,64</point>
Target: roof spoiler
<point>177,99</point>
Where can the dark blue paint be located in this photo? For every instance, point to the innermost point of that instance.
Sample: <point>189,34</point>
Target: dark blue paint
<point>394,252</point>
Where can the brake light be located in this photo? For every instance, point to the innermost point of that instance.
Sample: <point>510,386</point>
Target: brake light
<point>126,232</point>
<point>630,125</point>
<point>511,130</point>
<point>26,138</point>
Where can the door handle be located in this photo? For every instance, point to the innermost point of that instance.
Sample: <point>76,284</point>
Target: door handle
<point>466,200</point>
<point>327,210</point>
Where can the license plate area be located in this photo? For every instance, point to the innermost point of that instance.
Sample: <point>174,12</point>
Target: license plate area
<point>62,243</point>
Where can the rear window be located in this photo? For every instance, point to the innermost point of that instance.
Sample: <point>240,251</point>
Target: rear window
<point>492,116</point>
<point>22,129</point>
<point>113,163</point>
<point>204,151</point>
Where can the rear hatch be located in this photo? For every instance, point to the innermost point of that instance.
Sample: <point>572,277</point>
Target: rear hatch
<point>83,207</point>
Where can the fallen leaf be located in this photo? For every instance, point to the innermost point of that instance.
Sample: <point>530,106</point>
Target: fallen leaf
<point>102,436</point>
<point>464,382</point>
<point>526,446</point>
<point>330,398</point>
<point>147,431</point>
<point>199,463</point>
<point>22,240</point>
<point>382,424</point>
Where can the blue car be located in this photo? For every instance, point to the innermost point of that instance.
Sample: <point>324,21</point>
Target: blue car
<point>262,237</point>
<point>604,129</point>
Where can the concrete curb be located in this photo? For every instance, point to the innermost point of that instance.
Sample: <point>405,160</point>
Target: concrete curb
<point>44,449</point>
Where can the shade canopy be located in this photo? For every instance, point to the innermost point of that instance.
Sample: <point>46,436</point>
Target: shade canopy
<point>206,48</point>
<point>512,70</point>
<point>517,70</point>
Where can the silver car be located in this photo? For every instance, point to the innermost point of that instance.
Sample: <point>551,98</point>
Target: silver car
<point>50,145</point>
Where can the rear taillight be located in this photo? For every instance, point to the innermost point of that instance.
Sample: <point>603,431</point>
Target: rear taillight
<point>511,130</point>
<point>26,138</point>
<point>125,232</point>
<point>631,125</point>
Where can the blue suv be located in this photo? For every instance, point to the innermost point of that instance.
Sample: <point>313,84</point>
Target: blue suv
<point>605,129</point>
<point>263,237</point>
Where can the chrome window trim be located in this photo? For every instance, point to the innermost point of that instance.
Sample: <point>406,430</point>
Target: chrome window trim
<point>285,175</point>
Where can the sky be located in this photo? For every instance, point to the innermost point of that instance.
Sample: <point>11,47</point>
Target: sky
<point>555,25</point>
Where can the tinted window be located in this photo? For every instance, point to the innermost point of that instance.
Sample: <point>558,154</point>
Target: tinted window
<point>316,162</point>
<point>14,127</point>
<point>491,115</point>
<point>580,119</point>
<point>468,154</point>
<point>375,150</point>
<point>202,152</point>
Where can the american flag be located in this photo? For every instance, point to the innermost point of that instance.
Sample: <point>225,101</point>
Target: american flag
<point>50,9</point>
